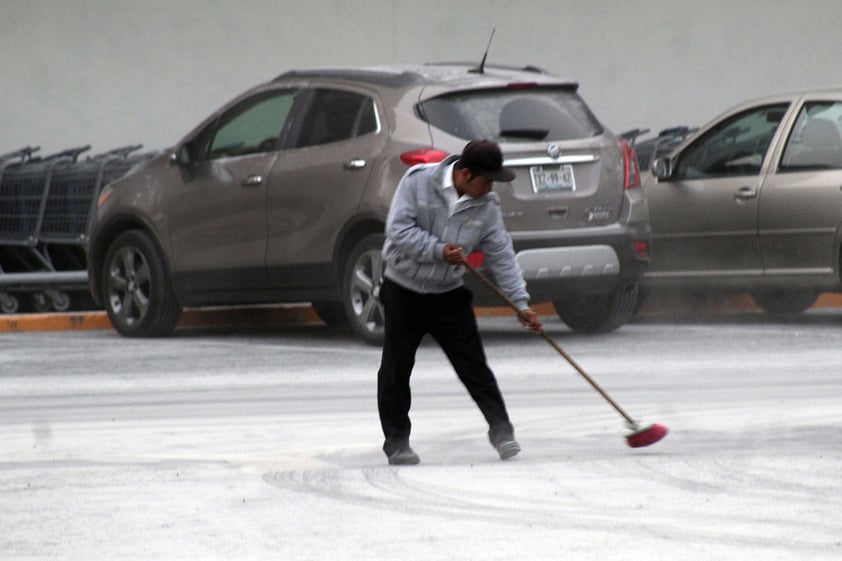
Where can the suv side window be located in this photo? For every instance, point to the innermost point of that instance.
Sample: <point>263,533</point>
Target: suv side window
<point>512,115</point>
<point>733,147</point>
<point>815,141</point>
<point>335,115</point>
<point>250,127</point>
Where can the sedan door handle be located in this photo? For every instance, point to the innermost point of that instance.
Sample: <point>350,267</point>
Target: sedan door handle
<point>252,180</point>
<point>745,194</point>
<point>356,163</point>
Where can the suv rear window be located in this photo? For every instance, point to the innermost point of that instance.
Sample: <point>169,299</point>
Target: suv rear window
<point>512,115</point>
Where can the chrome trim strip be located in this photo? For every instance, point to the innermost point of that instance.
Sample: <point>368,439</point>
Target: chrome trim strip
<point>547,161</point>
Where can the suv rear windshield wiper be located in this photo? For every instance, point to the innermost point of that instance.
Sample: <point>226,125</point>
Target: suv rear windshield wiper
<point>532,134</point>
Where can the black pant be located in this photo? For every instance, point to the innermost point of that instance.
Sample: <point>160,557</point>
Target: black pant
<point>450,319</point>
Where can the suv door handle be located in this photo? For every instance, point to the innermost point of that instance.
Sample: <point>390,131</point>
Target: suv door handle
<point>252,180</point>
<point>356,163</point>
<point>745,193</point>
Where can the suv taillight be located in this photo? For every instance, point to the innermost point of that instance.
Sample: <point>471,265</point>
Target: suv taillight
<point>641,249</point>
<point>423,156</point>
<point>631,169</point>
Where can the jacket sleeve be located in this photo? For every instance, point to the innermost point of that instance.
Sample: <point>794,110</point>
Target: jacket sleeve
<point>402,223</point>
<point>496,245</point>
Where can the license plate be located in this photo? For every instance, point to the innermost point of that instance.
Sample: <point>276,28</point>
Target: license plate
<point>552,178</point>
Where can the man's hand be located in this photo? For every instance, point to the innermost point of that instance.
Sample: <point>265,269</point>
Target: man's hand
<point>453,254</point>
<point>530,320</point>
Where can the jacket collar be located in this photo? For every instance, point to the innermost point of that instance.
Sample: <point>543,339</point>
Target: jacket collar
<point>438,175</point>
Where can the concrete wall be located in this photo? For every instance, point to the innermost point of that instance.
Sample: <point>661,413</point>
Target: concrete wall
<point>117,72</point>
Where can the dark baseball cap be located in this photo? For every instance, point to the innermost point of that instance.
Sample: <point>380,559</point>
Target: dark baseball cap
<point>483,157</point>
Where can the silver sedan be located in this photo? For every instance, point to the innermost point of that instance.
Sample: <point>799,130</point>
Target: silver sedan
<point>753,202</point>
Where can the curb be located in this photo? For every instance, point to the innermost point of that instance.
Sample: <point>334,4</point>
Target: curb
<point>266,316</point>
<point>255,316</point>
<point>260,316</point>
<point>54,322</point>
<point>661,304</point>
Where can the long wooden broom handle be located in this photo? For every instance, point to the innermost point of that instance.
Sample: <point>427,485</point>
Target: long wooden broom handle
<point>494,288</point>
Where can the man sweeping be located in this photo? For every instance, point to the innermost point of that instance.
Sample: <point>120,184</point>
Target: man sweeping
<point>441,213</point>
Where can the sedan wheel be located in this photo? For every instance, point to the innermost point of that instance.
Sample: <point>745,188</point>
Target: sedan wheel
<point>138,297</point>
<point>785,301</point>
<point>361,289</point>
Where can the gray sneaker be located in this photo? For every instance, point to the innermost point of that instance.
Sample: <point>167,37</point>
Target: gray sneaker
<point>507,448</point>
<point>404,456</point>
<point>502,437</point>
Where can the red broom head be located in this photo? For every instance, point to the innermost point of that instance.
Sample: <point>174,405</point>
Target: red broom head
<point>647,435</point>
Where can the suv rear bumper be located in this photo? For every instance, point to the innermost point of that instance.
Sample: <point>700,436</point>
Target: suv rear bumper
<point>590,264</point>
<point>568,262</point>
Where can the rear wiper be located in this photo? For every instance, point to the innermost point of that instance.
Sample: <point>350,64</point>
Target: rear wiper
<point>532,134</point>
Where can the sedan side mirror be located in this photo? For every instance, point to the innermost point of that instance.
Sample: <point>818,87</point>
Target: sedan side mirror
<point>662,168</point>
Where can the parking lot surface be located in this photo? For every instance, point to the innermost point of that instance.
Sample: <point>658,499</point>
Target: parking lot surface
<point>264,443</point>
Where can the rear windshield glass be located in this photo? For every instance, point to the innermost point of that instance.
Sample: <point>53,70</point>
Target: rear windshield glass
<point>512,115</point>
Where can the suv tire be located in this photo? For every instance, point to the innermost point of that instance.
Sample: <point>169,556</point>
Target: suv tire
<point>598,313</point>
<point>363,275</point>
<point>135,288</point>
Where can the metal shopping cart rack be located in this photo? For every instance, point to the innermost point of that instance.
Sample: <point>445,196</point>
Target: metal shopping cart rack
<point>46,205</point>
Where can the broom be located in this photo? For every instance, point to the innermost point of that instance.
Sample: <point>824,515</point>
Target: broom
<point>639,436</point>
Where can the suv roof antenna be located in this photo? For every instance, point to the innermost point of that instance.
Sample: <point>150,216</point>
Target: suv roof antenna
<point>481,68</point>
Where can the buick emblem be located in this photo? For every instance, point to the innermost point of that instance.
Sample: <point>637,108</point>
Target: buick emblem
<point>554,151</point>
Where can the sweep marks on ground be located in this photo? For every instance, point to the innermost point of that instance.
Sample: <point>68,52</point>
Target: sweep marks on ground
<point>743,504</point>
<point>456,493</point>
<point>394,488</point>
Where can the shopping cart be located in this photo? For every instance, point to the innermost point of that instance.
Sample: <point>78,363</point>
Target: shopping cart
<point>46,206</point>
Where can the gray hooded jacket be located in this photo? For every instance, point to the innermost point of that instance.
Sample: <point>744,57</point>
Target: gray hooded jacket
<point>419,226</point>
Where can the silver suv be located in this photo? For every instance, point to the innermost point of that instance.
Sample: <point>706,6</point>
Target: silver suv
<point>282,194</point>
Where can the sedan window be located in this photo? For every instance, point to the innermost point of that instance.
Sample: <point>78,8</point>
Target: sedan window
<point>735,146</point>
<point>815,141</point>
